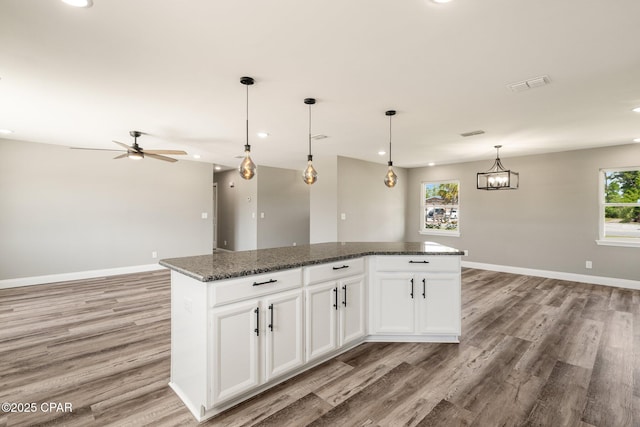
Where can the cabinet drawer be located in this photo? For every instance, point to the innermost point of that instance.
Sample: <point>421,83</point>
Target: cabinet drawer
<point>232,290</point>
<point>333,270</point>
<point>418,263</point>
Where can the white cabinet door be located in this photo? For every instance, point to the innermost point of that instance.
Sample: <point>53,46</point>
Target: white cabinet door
<point>235,350</point>
<point>283,333</point>
<point>439,304</point>
<point>352,309</point>
<point>393,303</point>
<point>321,303</point>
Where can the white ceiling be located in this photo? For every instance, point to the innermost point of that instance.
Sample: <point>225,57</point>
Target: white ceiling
<point>171,69</point>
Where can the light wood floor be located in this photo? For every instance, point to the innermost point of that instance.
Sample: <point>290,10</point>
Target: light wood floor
<point>534,352</point>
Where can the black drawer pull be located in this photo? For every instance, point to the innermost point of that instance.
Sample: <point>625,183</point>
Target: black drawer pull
<point>340,268</point>
<point>418,262</point>
<point>265,283</point>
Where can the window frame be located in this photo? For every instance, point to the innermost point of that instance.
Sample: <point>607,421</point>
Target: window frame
<point>423,206</point>
<point>602,204</point>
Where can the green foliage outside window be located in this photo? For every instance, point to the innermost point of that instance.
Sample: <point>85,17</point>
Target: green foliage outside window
<point>623,187</point>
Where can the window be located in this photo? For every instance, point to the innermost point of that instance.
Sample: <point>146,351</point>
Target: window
<point>620,207</point>
<point>440,210</point>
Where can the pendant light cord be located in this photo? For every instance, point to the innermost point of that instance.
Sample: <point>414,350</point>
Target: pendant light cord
<point>309,129</point>
<point>247,116</point>
<point>390,138</point>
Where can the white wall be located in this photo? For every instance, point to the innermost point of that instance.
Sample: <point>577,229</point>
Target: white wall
<point>550,223</point>
<point>374,212</point>
<point>323,222</point>
<point>65,210</point>
<point>283,208</point>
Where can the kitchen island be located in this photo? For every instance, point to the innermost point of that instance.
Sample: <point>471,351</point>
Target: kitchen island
<point>242,322</point>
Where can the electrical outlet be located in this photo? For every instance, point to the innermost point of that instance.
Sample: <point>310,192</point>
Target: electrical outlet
<point>154,254</point>
<point>466,252</point>
<point>294,243</point>
<point>205,215</point>
<point>588,264</point>
<point>261,214</point>
<point>225,243</point>
<point>188,305</point>
<point>343,216</point>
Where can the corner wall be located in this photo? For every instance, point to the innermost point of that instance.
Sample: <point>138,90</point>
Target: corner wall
<point>237,207</point>
<point>549,223</point>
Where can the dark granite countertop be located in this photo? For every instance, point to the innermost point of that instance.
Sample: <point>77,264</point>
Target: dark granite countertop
<point>225,265</point>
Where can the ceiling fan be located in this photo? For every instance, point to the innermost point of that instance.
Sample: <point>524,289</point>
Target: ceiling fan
<point>137,152</point>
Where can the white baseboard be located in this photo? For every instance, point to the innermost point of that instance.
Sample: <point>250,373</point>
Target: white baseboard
<point>572,277</point>
<point>79,275</point>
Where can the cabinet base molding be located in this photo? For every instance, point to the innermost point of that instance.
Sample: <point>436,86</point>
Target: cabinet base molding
<point>414,338</point>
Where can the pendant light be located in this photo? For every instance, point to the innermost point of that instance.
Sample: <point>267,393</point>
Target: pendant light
<point>390,179</point>
<point>498,178</point>
<point>309,175</point>
<point>247,168</point>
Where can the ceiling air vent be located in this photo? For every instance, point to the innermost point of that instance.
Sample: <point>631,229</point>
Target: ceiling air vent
<point>529,84</point>
<point>472,133</point>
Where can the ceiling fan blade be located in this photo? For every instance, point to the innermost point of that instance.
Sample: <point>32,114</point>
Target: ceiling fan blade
<point>93,149</point>
<point>174,152</point>
<point>125,146</point>
<point>159,157</point>
<point>121,156</point>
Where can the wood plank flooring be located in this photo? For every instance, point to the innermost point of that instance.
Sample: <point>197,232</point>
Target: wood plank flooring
<point>534,352</point>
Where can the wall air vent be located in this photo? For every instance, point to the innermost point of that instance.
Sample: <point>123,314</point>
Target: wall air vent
<point>529,84</point>
<point>472,133</point>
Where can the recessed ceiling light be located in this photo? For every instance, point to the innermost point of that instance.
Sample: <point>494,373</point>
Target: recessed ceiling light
<point>196,156</point>
<point>5,131</point>
<point>262,134</point>
<point>441,1</point>
<point>218,168</point>
<point>636,140</point>
<point>431,164</point>
<point>381,153</point>
<point>79,3</point>
<point>636,110</point>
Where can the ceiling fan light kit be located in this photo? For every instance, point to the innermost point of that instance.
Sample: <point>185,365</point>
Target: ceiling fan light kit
<point>497,177</point>
<point>136,152</point>
<point>247,168</point>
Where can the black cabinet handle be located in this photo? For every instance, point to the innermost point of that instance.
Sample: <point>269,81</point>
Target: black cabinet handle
<point>344,301</point>
<point>265,283</point>
<point>340,268</point>
<point>257,329</point>
<point>271,324</point>
<point>424,288</point>
<point>418,262</point>
<point>411,288</point>
<point>335,294</point>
